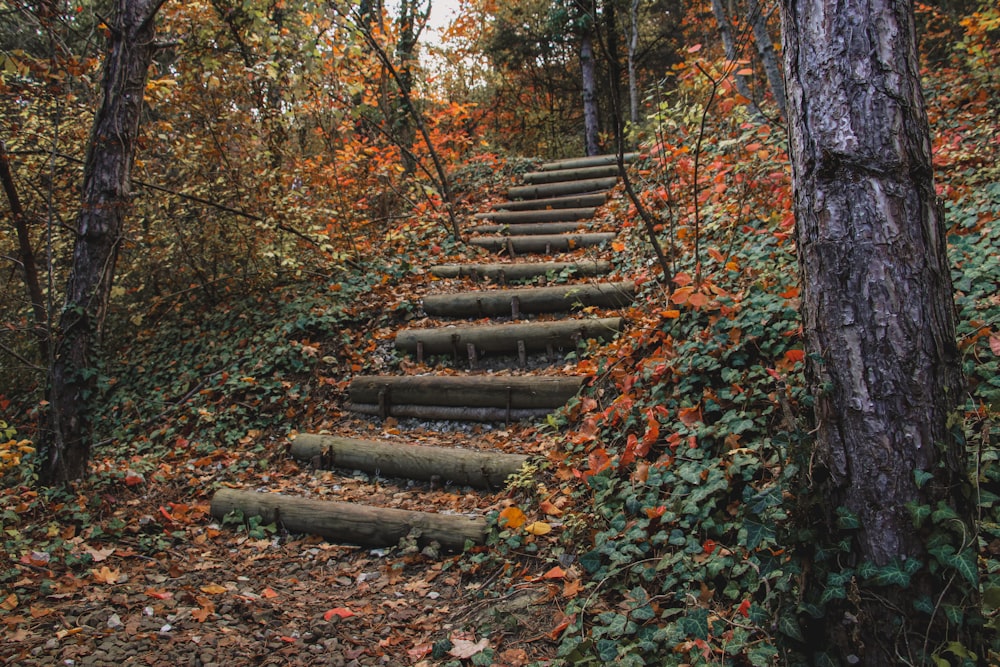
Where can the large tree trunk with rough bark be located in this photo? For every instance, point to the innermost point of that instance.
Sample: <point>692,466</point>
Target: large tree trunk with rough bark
<point>100,229</point>
<point>888,474</point>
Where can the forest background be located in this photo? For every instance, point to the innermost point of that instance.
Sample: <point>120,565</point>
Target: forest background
<point>297,166</point>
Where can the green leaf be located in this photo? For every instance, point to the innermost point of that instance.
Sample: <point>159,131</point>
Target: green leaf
<point>695,624</point>
<point>922,477</point>
<point>788,625</point>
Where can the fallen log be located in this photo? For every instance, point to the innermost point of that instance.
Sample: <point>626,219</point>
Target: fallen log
<point>521,271</point>
<point>583,162</point>
<point>554,299</point>
<point>473,391</point>
<point>546,215</point>
<point>350,522</point>
<point>541,243</point>
<point>529,229</point>
<point>553,203</point>
<point>559,189</point>
<point>465,467</point>
<point>451,412</point>
<point>506,338</point>
<point>571,174</point>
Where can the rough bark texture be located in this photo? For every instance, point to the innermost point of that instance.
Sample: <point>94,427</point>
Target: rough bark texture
<point>877,309</point>
<point>445,465</point>
<point>348,522</point>
<point>100,227</point>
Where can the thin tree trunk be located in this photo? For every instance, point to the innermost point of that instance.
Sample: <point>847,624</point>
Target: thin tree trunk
<point>100,228</point>
<point>883,364</point>
<point>27,257</point>
<point>588,70</point>
<point>768,57</point>
<point>633,48</point>
<point>732,53</point>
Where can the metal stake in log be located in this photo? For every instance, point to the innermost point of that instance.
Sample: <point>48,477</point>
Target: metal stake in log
<point>420,352</point>
<point>515,307</point>
<point>522,354</point>
<point>383,402</point>
<point>471,348</point>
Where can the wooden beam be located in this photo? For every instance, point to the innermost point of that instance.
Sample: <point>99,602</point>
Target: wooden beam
<point>465,467</point>
<point>503,338</point>
<point>486,391</point>
<point>558,189</point>
<point>592,161</point>
<point>574,174</point>
<point>529,229</point>
<point>521,271</point>
<point>554,299</point>
<point>568,201</point>
<point>546,215</point>
<point>542,243</point>
<point>351,523</point>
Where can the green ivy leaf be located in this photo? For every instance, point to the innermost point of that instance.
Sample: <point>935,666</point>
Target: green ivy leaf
<point>788,625</point>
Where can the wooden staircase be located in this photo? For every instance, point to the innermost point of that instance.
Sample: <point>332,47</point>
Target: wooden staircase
<point>492,337</point>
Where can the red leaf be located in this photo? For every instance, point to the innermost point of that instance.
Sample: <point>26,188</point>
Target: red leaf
<point>995,344</point>
<point>342,612</point>
<point>795,356</point>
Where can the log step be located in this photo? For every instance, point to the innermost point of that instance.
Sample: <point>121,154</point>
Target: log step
<point>547,215</point>
<point>514,392</point>
<point>553,203</point>
<point>554,299</point>
<point>577,174</point>
<point>584,162</point>
<point>541,243</point>
<point>465,467</point>
<point>520,271</point>
<point>351,523</point>
<point>529,229</point>
<point>506,338</point>
<point>560,189</point>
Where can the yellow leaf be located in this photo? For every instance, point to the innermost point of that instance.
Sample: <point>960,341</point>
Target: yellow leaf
<point>106,575</point>
<point>9,603</point>
<point>538,528</point>
<point>512,517</point>
<point>213,589</point>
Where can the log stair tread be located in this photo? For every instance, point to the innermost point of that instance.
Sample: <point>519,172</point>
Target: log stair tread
<point>503,272</point>
<point>509,338</point>
<point>511,301</point>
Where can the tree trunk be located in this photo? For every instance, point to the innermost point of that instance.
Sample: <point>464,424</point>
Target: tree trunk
<point>505,272</point>
<point>465,467</point>
<point>555,299</point>
<point>882,360</point>
<point>768,58</point>
<point>349,522</point>
<point>633,48</point>
<point>505,338</point>
<point>588,71</point>
<point>26,255</point>
<point>732,55</point>
<point>100,225</point>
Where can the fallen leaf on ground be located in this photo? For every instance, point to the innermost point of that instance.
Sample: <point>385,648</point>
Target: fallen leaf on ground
<point>463,648</point>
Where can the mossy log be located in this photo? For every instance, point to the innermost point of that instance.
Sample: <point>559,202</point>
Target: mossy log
<point>574,174</point>
<point>553,203</point>
<point>465,467</point>
<point>506,338</point>
<point>583,162</point>
<point>532,392</point>
<point>559,189</point>
<point>546,215</point>
<point>553,299</point>
<point>520,271</point>
<point>541,243</point>
<point>351,523</point>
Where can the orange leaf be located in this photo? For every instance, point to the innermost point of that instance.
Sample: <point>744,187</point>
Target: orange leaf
<point>342,612</point>
<point>694,48</point>
<point>795,356</point>
<point>698,299</point>
<point>202,613</point>
<point>106,575</point>
<point>213,589</point>
<point>269,593</point>
<point>656,512</point>
<point>538,528</point>
<point>558,630</point>
<point>670,314</point>
<point>995,344</point>
<point>571,588</point>
<point>746,71</point>
<point>159,595</point>
<point>549,508</point>
<point>555,573</point>
<point>682,295</point>
<point>715,254</point>
<point>790,293</point>
<point>513,517</point>
<point>690,416</point>
<point>682,279</point>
